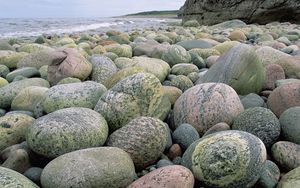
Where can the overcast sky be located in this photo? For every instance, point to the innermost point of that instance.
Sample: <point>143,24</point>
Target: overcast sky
<point>81,8</point>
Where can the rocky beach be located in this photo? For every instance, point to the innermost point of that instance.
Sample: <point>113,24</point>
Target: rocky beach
<point>204,104</point>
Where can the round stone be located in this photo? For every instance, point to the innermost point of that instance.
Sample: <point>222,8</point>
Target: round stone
<point>252,100</point>
<point>175,55</point>
<point>290,180</point>
<point>290,124</point>
<point>269,176</point>
<point>67,130</point>
<point>11,178</point>
<point>185,135</point>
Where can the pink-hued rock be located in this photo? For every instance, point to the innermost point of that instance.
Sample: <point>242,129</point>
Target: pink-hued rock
<point>211,60</point>
<point>207,104</point>
<point>284,97</point>
<point>174,176</point>
<point>273,72</point>
<point>174,151</point>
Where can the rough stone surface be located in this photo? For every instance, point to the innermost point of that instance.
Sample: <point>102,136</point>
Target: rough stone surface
<point>291,179</point>
<point>217,128</point>
<point>290,124</point>
<point>137,95</point>
<point>274,72</point>
<point>175,55</point>
<point>260,122</point>
<point>174,176</point>
<point>67,130</point>
<point>269,176</point>
<point>252,100</point>
<point>210,12</point>
<point>207,104</point>
<point>144,138</point>
<point>93,167</point>
<point>11,178</point>
<point>85,94</point>
<point>185,135</point>
<point>229,159</point>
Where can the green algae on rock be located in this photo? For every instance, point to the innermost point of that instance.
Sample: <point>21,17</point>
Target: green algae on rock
<point>11,58</point>
<point>144,138</point>
<point>229,159</point>
<point>137,95</point>
<point>85,94</point>
<point>11,178</point>
<point>67,130</point>
<point>175,55</point>
<point>93,167</point>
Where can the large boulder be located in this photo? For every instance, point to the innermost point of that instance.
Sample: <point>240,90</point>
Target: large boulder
<point>74,65</point>
<point>67,130</point>
<point>207,104</point>
<point>11,178</point>
<point>211,12</point>
<point>240,68</point>
<point>93,167</point>
<point>11,58</point>
<point>85,94</point>
<point>137,95</point>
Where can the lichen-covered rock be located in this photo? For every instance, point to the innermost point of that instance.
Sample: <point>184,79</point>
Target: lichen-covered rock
<point>284,97</point>
<point>161,69</point>
<point>185,135</point>
<point>144,138</point>
<point>3,82</point>
<point>137,95</point>
<point>184,69</point>
<point>269,176</point>
<point>175,55</point>
<point>41,58</point>
<point>32,47</point>
<point>252,100</point>
<point>290,180</point>
<point>207,104</point>
<point>260,122</point>
<point>173,93</point>
<point>85,94</point>
<point>27,72</point>
<point>94,167</point>
<point>67,130</point>
<point>225,46</point>
<point>28,98</point>
<point>290,126</point>
<point>123,62</point>
<point>174,176</point>
<point>182,82</point>
<point>10,91</point>
<point>13,129</point>
<point>204,53</point>
<point>4,70</point>
<point>69,80</point>
<point>74,65</point>
<point>123,50</point>
<point>229,159</point>
<point>11,58</point>
<point>11,178</point>
<point>240,68</point>
<point>286,154</point>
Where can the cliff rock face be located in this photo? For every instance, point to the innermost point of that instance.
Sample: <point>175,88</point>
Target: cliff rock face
<point>209,12</point>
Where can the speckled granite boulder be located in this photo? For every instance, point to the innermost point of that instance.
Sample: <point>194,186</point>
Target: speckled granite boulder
<point>103,68</point>
<point>185,135</point>
<point>274,72</point>
<point>175,55</point>
<point>291,66</point>
<point>290,124</point>
<point>286,154</point>
<point>269,55</point>
<point>229,159</point>
<point>137,95</point>
<point>290,180</point>
<point>284,97</point>
<point>260,122</point>
<point>11,178</point>
<point>207,104</point>
<point>93,167</point>
<point>269,176</point>
<point>85,94</point>
<point>144,138</point>
<point>74,65</point>
<point>240,68</point>
<point>10,91</point>
<point>67,130</point>
<point>13,129</point>
<point>174,176</point>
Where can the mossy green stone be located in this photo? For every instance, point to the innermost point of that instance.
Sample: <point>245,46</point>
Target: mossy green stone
<point>11,58</point>
<point>137,95</point>
<point>184,69</point>
<point>3,82</point>
<point>124,62</point>
<point>176,54</point>
<point>182,82</point>
<point>100,167</point>
<point>144,138</point>
<point>26,72</point>
<point>240,68</point>
<point>103,68</point>
<point>204,53</point>
<point>12,179</point>
<point>28,98</point>
<point>123,50</point>
<point>64,41</point>
<point>30,48</point>
<point>85,94</point>
<point>225,46</point>
<point>291,179</point>
<point>67,130</point>
<point>4,70</point>
<point>10,91</point>
<point>13,128</point>
<point>229,159</point>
